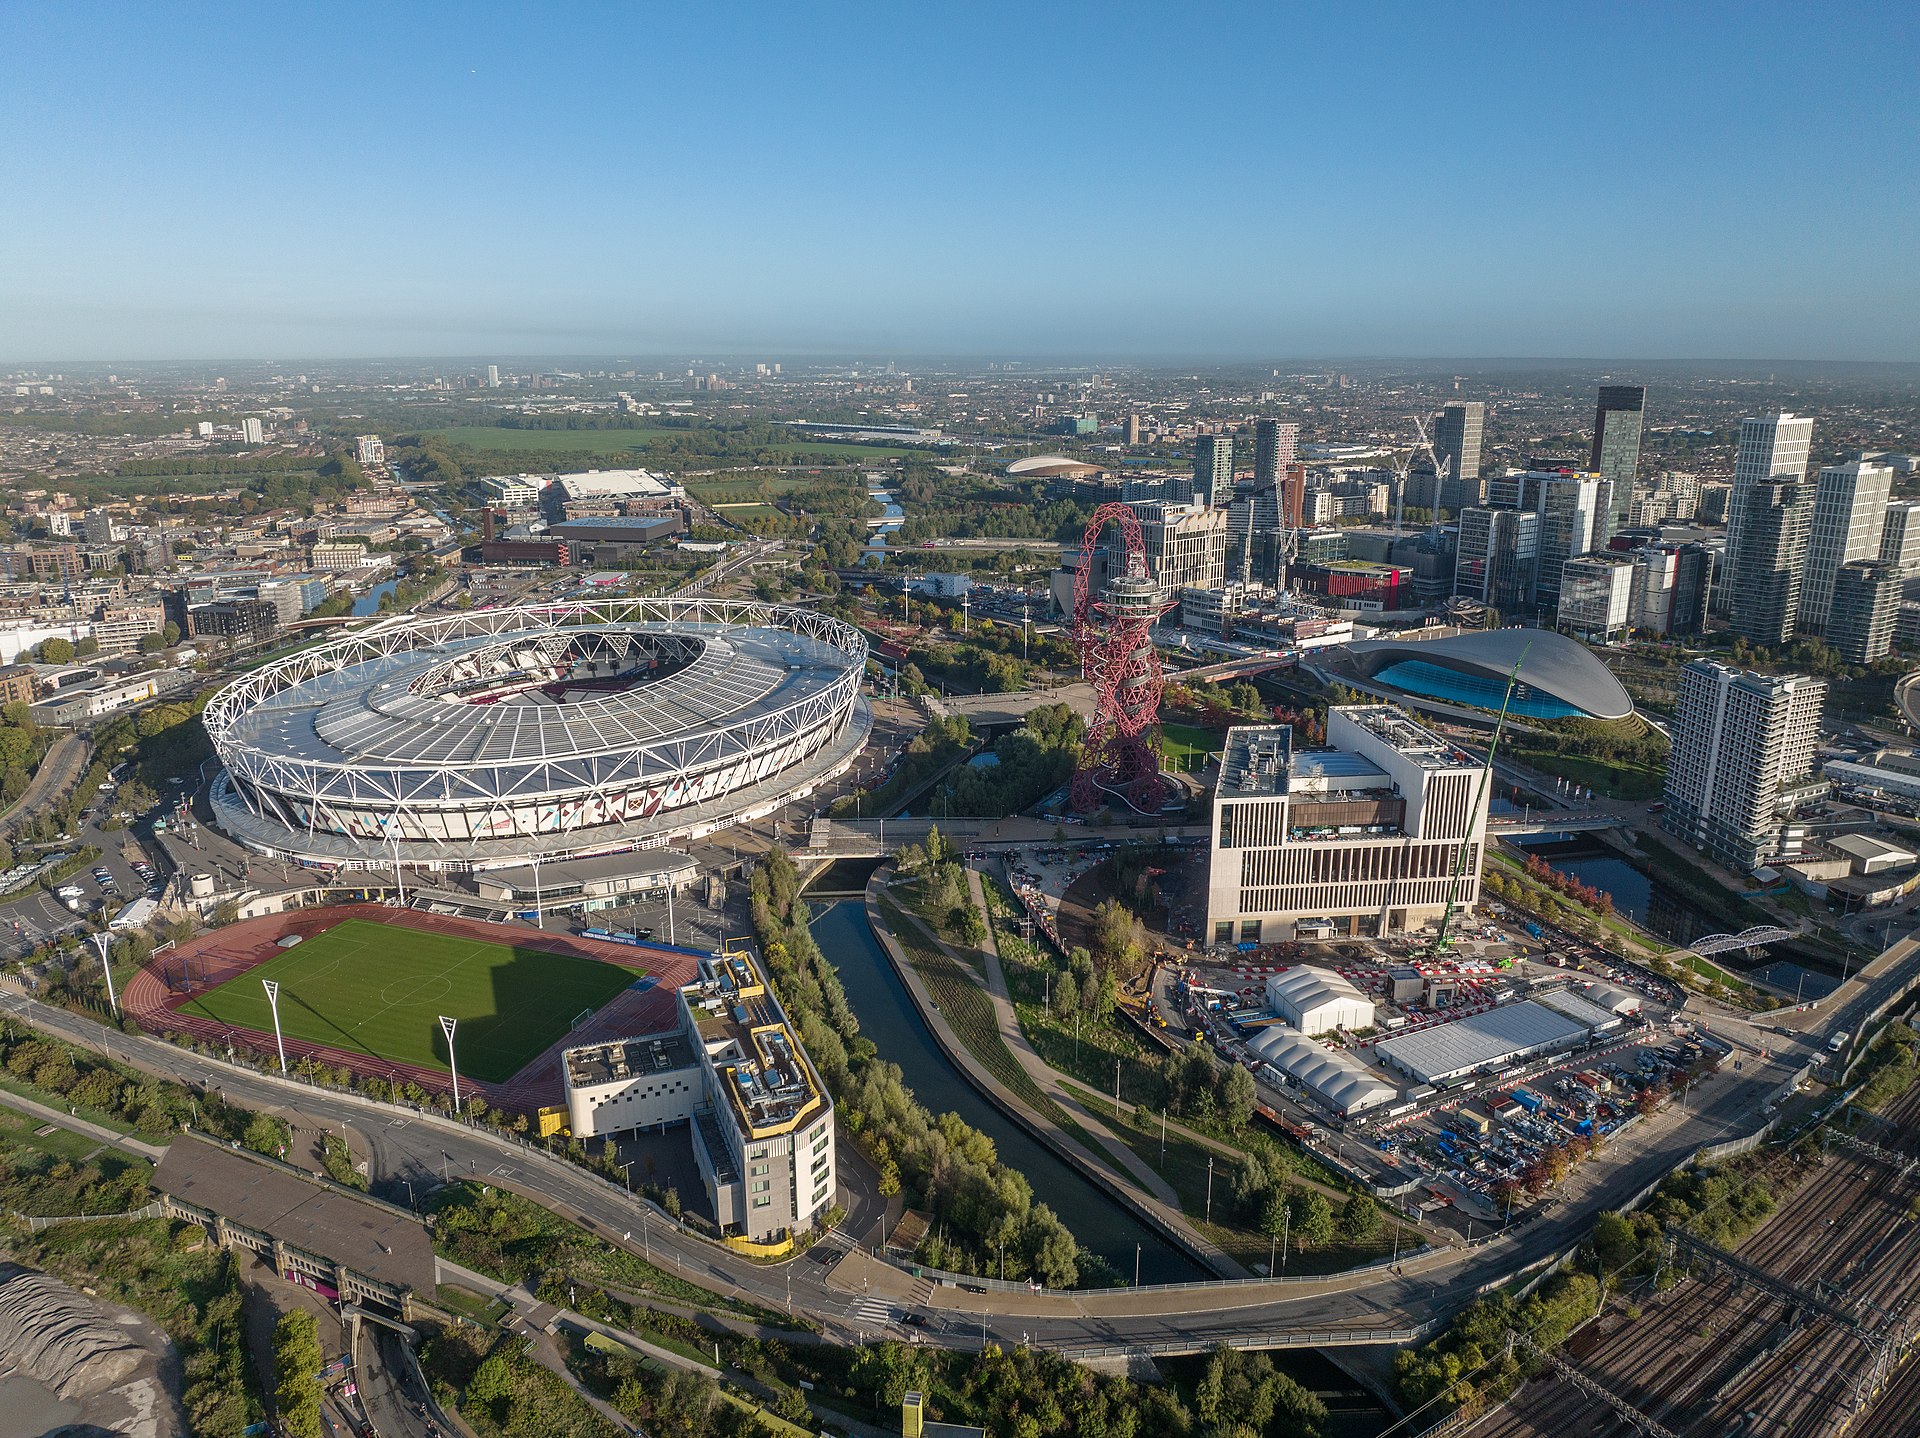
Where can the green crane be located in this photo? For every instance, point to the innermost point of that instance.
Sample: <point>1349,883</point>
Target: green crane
<point>1443,943</point>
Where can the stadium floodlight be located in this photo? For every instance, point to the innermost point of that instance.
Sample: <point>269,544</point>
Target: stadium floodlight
<point>447,1027</point>
<point>273,999</point>
<point>104,941</point>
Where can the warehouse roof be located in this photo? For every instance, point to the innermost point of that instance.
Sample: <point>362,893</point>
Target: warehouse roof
<point>1579,1008</point>
<point>1341,1081</point>
<point>1488,1038</point>
<point>1307,988</point>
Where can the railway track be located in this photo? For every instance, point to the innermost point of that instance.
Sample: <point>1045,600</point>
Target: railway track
<point>1726,1355</point>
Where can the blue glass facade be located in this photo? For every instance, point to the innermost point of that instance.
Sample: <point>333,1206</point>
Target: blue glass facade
<point>1430,681</point>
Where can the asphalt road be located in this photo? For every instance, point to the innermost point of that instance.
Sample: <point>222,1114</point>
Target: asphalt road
<point>411,1154</point>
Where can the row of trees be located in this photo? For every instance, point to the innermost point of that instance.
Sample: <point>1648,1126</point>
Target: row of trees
<point>1543,873</point>
<point>985,1211</point>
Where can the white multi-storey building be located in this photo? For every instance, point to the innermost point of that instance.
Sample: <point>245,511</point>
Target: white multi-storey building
<point>1371,835</point>
<point>369,449</point>
<point>1900,539</point>
<point>1596,596</point>
<point>1743,744</point>
<point>1849,520</point>
<point>252,431</point>
<point>733,1070</point>
<point>1775,447</point>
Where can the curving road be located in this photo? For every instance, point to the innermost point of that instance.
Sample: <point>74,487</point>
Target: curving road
<point>411,1153</point>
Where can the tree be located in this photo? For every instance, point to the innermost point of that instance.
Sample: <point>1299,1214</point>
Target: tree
<point>170,634</point>
<point>1359,1219</point>
<point>1119,938</point>
<point>152,644</point>
<point>296,1374</point>
<point>86,648</point>
<point>1312,1219</point>
<point>56,651</point>
<point>1238,1097</point>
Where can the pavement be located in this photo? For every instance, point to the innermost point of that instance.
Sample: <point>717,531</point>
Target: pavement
<point>69,1120</point>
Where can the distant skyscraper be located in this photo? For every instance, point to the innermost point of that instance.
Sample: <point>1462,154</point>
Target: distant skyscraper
<point>1456,437</point>
<point>1740,741</point>
<point>1616,445</point>
<point>1866,597</point>
<point>1772,448</point>
<point>1274,444</point>
<point>1849,520</point>
<point>1293,495</point>
<point>493,376</point>
<point>1212,468</point>
<point>1769,565</point>
<point>1133,429</point>
<point>252,431</point>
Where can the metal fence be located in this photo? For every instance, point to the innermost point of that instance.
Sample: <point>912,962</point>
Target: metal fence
<point>36,1225</point>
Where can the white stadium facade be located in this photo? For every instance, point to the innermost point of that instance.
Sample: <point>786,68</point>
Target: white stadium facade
<point>488,739</point>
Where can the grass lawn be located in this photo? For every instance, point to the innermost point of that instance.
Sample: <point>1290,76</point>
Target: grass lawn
<point>1607,779</point>
<point>378,989</point>
<point>1187,744</point>
<point>20,1128</point>
<point>9,1083</point>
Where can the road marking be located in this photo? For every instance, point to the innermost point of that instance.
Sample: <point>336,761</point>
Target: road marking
<point>873,1310</point>
<point>399,1123</point>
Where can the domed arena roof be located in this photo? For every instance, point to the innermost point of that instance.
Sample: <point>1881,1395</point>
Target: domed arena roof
<point>1560,678</point>
<point>1051,466</point>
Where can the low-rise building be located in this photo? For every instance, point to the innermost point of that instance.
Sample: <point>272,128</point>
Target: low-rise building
<point>733,1070</point>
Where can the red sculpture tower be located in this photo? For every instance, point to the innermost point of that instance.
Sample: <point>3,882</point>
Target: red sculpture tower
<point>1115,638</point>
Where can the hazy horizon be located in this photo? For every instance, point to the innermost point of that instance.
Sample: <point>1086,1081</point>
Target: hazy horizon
<point>1116,184</point>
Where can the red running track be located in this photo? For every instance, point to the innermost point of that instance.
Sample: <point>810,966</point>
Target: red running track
<point>226,953</point>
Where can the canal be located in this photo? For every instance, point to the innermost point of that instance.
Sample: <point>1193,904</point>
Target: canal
<point>1664,910</point>
<point>369,603</point>
<point>888,1017</point>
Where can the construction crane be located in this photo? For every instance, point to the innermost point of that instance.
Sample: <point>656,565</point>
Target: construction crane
<point>1441,944</point>
<point>1441,468</point>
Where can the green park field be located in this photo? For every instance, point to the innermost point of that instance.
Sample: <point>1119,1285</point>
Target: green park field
<point>379,989</point>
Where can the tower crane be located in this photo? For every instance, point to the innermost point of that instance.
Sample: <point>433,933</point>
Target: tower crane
<point>1441,468</point>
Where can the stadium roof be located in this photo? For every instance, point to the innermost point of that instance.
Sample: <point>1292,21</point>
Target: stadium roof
<point>1342,1082</point>
<point>1555,665</point>
<point>1446,1050</point>
<point>1051,464</point>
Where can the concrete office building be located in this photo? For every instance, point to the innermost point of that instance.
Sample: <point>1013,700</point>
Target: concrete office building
<point>1849,523</point>
<point>733,1070</point>
<point>1212,468</point>
<point>1360,838</point>
<point>1769,563</point>
<point>1496,557</point>
<point>1774,447</point>
<point>1616,447</point>
<point>252,432</point>
<point>1596,596</point>
<point>1741,744</point>
<point>1866,597</point>
<point>1186,547</point>
<point>1456,445</point>
<point>1900,538</point>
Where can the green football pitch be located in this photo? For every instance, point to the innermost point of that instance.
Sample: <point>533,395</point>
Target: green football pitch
<point>379,989</point>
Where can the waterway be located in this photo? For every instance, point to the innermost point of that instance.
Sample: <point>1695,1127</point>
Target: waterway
<point>892,515</point>
<point>369,603</point>
<point>1664,910</point>
<point>888,1017</point>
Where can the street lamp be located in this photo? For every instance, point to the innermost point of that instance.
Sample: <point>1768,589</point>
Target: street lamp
<point>447,1027</point>
<point>273,1000</point>
<point>103,941</point>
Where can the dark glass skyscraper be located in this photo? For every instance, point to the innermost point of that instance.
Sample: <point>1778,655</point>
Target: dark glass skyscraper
<point>1616,445</point>
<point>1274,443</point>
<point>1456,437</point>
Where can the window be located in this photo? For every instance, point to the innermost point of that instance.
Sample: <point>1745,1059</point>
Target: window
<point>758,1168</point>
<point>1223,931</point>
<point>1249,931</point>
<point>762,1185</point>
<point>762,1202</point>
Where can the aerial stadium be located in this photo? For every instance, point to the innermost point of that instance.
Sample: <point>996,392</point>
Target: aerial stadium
<point>1560,678</point>
<point>489,739</point>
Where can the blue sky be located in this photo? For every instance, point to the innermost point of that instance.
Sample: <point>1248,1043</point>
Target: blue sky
<point>1173,180</point>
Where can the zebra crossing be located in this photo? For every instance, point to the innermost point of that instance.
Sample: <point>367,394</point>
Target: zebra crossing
<point>876,1311</point>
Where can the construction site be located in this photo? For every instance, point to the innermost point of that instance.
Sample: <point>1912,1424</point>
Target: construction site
<point>1800,1332</point>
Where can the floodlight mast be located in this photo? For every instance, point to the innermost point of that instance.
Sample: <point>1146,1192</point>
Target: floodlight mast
<point>1443,943</point>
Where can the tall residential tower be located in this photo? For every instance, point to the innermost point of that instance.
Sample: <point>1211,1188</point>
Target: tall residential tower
<point>1616,446</point>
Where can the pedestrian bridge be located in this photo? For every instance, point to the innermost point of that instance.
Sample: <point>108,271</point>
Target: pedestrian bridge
<point>1550,822</point>
<point>1746,939</point>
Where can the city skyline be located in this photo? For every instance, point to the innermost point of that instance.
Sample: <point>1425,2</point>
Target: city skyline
<point>986,182</point>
